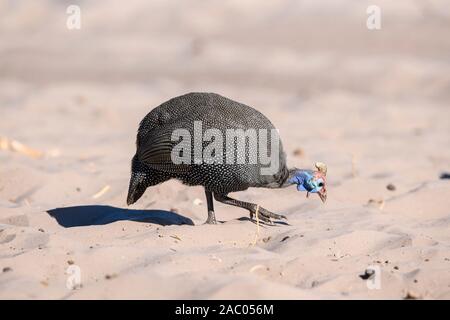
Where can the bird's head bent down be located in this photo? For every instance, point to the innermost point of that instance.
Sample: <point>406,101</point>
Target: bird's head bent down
<point>312,181</point>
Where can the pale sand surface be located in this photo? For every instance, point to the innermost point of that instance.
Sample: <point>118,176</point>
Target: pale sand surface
<point>373,105</point>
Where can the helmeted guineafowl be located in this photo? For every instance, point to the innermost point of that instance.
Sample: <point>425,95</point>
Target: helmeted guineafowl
<point>223,145</point>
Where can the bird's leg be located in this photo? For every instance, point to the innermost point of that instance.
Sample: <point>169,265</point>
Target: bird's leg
<point>211,215</point>
<point>263,214</point>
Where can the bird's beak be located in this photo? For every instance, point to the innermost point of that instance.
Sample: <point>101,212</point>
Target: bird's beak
<point>323,196</point>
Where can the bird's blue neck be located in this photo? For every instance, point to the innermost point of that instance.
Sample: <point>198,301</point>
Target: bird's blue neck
<point>300,178</point>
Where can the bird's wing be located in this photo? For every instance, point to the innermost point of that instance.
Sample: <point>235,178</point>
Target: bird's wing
<point>157,152</point>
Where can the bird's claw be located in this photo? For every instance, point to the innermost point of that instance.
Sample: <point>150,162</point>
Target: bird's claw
<point>211,218</point>
<point>266,216</point>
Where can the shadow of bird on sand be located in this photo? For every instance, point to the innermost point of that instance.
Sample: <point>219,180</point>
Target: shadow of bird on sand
<point>92,215</point>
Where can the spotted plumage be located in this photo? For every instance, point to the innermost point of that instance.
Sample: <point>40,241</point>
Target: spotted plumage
<point>198,113</point>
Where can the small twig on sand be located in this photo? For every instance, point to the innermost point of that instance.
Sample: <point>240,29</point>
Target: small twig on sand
<point>101,192</point>
<point>16,146</point>
<point>257,226</point>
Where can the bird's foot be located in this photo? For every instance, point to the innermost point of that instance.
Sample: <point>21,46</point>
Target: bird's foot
<point>266,216</point>
<point>211,218</point>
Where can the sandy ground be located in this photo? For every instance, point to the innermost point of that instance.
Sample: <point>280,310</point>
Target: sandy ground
<point>373,105</point>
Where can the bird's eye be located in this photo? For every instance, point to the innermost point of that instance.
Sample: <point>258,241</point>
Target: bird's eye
<point>320,184</point>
